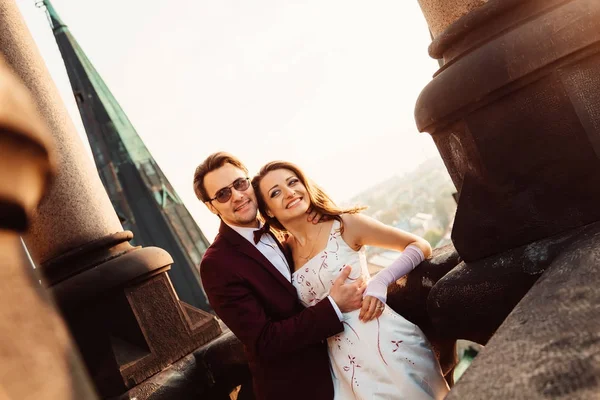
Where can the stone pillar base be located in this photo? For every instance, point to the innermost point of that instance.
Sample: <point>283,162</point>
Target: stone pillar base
<point>213,372</point>
<point>123,311</point>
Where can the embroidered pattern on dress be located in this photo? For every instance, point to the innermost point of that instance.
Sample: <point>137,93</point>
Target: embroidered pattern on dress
<point>338,340</point>
<point>333,236</point>
<point>379,344</point>
<point>323,265</point>
<point>397,344</point>
<point>353,365</point>
<point>351,328</point>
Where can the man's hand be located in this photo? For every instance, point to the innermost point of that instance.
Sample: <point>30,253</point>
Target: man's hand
<point>372,308</point>
<point>315,217</point>
<point>347,296</point>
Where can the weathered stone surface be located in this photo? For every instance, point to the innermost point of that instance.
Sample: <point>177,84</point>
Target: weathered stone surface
<point>210,372</point>
<point>442,13</point>
<point>458,34</point>
<point>549,346</point>
<point>128,330</point>
<point>473,299</point>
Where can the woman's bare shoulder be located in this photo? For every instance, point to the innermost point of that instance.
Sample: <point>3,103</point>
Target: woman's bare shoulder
<point>354,221</point>
<point>352,226</point>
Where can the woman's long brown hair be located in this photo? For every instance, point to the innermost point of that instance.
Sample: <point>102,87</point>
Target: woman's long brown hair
<point>319,200</point>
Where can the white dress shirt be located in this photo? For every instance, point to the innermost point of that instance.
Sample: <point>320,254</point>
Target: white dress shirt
<point>269,248</point>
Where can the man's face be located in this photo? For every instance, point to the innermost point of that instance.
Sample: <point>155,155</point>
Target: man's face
<point>241,208</point>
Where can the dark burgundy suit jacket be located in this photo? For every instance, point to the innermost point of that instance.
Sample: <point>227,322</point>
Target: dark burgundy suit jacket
<point>285,342</point>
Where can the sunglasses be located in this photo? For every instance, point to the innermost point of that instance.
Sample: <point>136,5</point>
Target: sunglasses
<point>223,195</point>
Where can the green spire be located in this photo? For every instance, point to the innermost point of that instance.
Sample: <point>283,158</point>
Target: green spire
<point>55,21</point>
<point>118,121</point>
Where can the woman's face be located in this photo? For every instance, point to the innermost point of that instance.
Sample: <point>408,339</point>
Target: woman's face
<point>285,195</point>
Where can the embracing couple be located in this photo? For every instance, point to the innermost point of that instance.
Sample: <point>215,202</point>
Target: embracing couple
<point>294,287</point>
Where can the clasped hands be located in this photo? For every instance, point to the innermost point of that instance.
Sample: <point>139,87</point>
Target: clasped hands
<point>349,297</point>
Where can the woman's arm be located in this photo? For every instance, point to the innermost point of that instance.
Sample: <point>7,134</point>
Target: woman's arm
<point>363,230</point>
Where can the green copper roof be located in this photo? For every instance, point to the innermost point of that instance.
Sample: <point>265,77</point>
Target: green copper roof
<point>55,21</point>
<point>127,133</point>
<point>133,143</point>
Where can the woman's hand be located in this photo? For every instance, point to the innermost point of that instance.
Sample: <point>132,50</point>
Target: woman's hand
<point>315,217</point>
<point>372,308</point>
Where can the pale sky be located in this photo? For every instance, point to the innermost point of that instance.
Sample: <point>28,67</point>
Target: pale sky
<point>330,85</point>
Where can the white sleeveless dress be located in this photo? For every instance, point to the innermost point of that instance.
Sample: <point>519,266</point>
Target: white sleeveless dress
<point>387,358</point>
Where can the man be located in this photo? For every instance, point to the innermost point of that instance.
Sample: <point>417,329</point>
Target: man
<point>248,283</point>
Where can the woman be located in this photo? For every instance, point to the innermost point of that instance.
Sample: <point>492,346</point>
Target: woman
<point>380,355</point>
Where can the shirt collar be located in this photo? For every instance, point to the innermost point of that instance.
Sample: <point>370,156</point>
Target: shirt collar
<point>246,233</point>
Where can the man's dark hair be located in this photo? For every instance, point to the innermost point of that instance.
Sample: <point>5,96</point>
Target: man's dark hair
<point>213,162</point>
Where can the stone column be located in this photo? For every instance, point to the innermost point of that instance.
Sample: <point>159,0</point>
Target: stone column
<point>39,361</point>
<point>515,114</point>
<point>118,300</point>
<point>76,210</point>
<point>440,14</point>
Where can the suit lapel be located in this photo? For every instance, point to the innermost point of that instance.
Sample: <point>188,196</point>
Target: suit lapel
<point>287,252</point>
<point>251,251</point>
